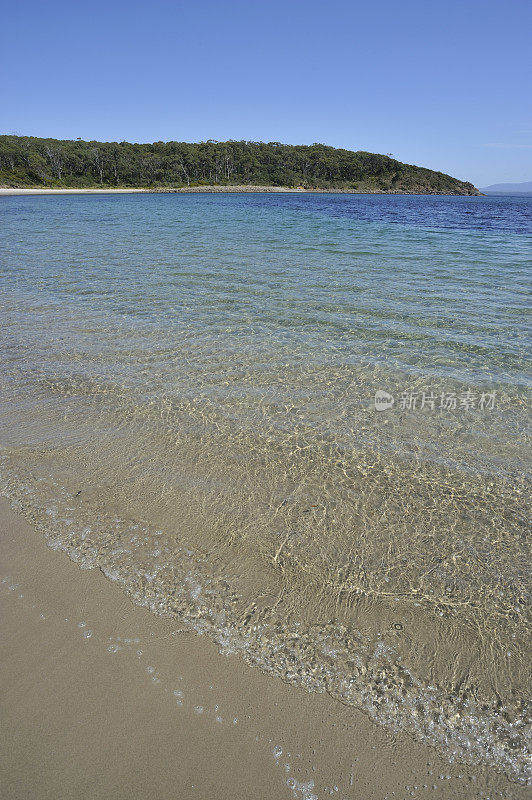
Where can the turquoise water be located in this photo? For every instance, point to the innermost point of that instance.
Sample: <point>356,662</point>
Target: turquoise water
<point>188,402</point>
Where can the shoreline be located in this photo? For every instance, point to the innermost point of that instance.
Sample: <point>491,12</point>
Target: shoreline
<point>7,191</point>
<point>100,698</point>
<point>241,189</point>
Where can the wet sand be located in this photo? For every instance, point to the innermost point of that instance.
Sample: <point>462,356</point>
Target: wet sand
<point>99,698</point>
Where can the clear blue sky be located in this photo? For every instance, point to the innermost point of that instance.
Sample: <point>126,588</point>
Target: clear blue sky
<point>444,84</point>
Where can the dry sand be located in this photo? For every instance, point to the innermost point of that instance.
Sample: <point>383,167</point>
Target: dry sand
<point>194,190</point>
<point>166,190</point>
<point>7,191</point>
<point>209,190</point>
<point>89,710</point>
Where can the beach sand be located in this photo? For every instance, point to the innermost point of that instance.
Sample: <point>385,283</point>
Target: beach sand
<point>170,190</point>
<point>101,699</point>
<point>217,189</point>
<point>8,191</point>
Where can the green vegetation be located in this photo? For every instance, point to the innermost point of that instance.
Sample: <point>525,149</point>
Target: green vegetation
<point>29,161</point>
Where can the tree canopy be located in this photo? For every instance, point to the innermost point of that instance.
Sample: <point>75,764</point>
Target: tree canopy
<point>31,161</point>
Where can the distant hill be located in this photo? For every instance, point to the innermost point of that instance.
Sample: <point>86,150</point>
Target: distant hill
<point>509,188</point>
<point>29,161</point>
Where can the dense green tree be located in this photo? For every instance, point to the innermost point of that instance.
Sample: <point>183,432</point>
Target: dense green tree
<point>29,161</point>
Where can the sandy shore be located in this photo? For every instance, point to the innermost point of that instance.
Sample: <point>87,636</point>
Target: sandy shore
<point>242,189</point>
<point>178,190</point>
<point>100,699</point>
<point>7,191</point>
<point>203,190</point>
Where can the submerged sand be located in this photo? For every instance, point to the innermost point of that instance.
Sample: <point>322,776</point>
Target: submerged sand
<point>101,699</point>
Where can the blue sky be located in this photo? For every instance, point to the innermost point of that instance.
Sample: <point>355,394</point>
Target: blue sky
<point>442,84</point>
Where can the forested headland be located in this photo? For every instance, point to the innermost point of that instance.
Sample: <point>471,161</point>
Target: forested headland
<point>29,161</point>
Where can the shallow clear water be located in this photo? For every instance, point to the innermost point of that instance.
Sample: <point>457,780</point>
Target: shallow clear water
<point>188,402</point>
